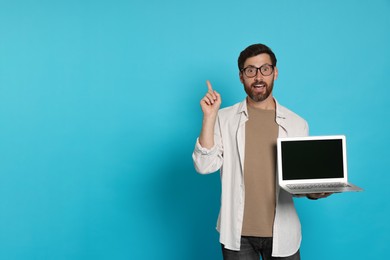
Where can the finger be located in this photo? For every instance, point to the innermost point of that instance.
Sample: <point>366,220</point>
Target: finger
<point>209,87</point>
<point>207,100</point>
<point>211,92</point>
<point>217,95</point>
<point>212,96</point>
<point>313,196</point>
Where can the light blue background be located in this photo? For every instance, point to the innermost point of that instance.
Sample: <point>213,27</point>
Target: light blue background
<point>99,112</point>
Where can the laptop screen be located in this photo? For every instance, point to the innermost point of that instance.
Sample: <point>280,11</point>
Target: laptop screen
<point>312,159</point>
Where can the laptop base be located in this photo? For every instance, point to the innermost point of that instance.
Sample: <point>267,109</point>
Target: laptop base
<point>315,189</point>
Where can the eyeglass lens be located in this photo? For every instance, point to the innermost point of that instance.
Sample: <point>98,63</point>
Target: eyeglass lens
<point>265,70</point>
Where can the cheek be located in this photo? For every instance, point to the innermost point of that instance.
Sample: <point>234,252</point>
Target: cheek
<point>247,82</point>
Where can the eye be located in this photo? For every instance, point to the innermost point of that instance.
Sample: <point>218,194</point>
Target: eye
<point>265,68</point>
<point>250,70</point>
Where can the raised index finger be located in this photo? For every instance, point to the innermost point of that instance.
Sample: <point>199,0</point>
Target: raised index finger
<point>210,88</point>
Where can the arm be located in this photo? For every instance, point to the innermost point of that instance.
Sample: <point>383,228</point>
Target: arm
<point>210,104</point>
<point>207,155</point>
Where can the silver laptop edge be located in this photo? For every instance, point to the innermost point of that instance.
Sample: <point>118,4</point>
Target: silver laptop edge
<point>283,183</point>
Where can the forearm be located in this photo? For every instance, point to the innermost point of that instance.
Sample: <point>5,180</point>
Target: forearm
<point>206,137</point>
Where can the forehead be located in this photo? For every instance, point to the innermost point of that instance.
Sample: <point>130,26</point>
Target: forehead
<point>258,60</point>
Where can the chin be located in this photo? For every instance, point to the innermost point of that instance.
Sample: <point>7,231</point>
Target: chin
<point>259,98</point>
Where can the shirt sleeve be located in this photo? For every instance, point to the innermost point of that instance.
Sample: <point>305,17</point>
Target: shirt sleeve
<point>209,160</point>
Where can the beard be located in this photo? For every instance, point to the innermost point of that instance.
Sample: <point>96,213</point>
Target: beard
<point>253,90</point>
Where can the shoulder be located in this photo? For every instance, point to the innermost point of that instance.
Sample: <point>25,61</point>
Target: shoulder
<point>289,114</point>
<point>231,115</point>
<point>292,121</point>
<point>232,110</point>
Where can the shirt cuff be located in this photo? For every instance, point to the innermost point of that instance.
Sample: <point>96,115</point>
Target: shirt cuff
<point>204,151</point>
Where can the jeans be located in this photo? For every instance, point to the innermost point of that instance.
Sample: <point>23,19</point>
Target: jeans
<point>254,247</point>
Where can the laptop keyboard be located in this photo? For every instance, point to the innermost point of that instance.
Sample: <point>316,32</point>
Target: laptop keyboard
<point>307,186</point>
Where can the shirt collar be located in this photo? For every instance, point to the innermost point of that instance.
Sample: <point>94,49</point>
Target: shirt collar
<point>244,109</point>
<point>279,112</point>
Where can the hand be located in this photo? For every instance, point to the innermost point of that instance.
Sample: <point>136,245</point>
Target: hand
<point>211,102</point>
<point>316,196</point>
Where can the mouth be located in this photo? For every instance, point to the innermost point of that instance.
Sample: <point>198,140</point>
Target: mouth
<point>259,85</point>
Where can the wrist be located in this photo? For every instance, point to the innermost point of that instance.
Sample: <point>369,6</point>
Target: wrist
<point>209,120</point>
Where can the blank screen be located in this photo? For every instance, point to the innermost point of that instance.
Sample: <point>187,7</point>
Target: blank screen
<point>312,159</point>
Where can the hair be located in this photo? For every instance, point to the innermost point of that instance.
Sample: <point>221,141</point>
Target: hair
<point>254,50</point>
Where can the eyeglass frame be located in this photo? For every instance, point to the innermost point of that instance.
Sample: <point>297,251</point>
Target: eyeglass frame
<point>258,69</point>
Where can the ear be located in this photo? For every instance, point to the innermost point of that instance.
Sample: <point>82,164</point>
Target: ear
<point>276,73</point>
<point>241,77</point>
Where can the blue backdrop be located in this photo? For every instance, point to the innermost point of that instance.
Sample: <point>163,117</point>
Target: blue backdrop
<point>99,112</point>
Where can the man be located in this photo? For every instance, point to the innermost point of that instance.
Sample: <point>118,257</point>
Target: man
<point>256,218</point>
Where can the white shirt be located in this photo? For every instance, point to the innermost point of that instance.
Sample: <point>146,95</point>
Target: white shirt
<point>227,155</point>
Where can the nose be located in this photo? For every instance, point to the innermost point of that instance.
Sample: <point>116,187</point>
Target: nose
<point>259,76</point>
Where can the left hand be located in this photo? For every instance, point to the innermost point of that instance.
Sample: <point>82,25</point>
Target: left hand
<point>316,196</point>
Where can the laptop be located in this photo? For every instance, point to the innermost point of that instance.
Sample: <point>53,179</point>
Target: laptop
<point>313,164</point>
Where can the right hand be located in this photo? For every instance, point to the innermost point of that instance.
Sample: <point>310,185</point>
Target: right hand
<point>211,102</point>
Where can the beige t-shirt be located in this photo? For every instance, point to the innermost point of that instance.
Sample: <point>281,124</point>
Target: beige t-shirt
<point>261,132</point>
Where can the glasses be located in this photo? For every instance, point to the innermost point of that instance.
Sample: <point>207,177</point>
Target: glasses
<point>265,70</point>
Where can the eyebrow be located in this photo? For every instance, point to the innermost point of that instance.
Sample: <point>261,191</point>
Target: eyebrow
<point>259,66</point>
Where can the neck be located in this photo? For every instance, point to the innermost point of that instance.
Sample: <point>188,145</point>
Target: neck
<point>267,104</point>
